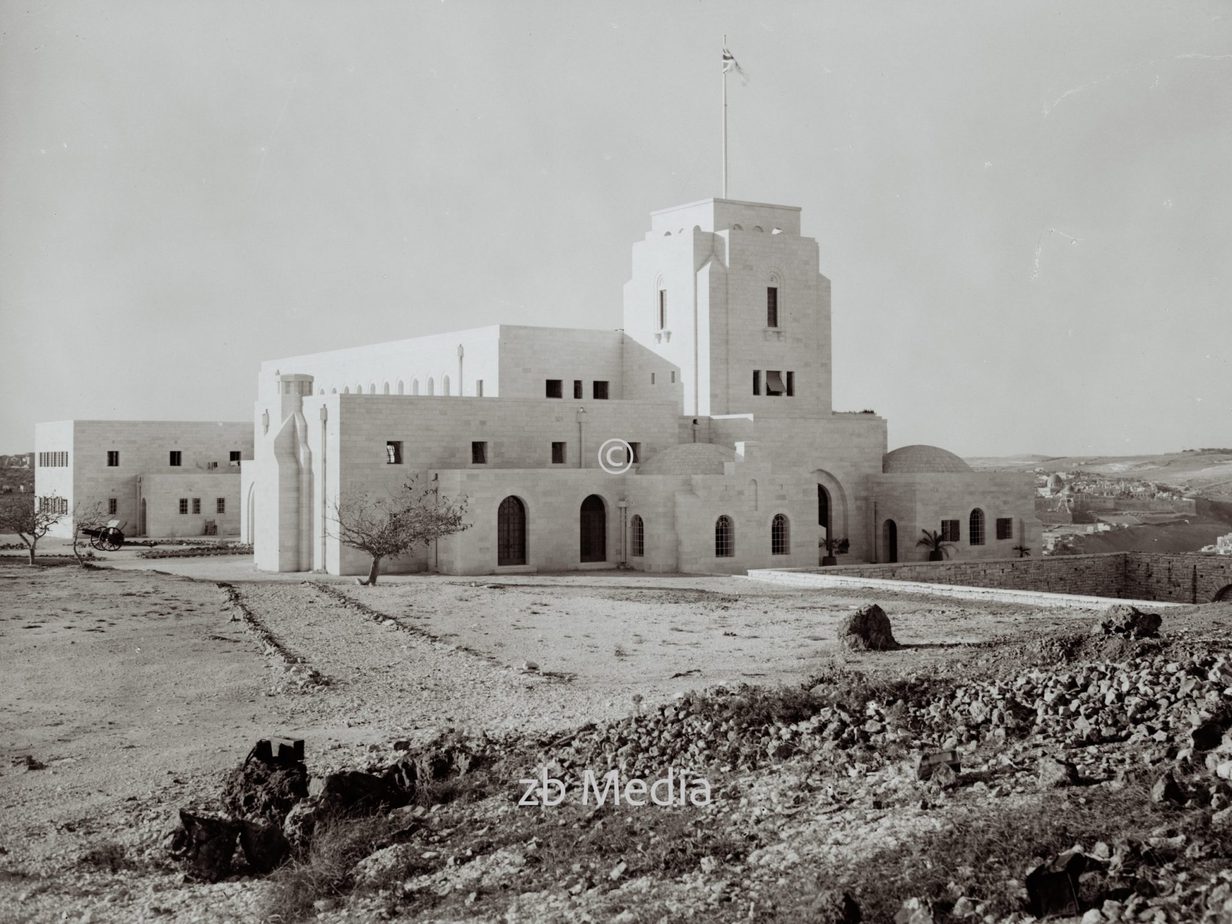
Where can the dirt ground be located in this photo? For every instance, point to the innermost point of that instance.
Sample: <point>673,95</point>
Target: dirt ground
<point>129,691</point>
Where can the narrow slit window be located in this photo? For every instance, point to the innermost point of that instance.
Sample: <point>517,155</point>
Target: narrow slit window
<point>772,306</point>
<point>577,389</point>
<point>637,537</point>
<point>662,309</point>
<point>791,384</point>
<point>757,381</point>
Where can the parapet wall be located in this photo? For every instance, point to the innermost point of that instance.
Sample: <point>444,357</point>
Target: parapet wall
<point>1176,578</point>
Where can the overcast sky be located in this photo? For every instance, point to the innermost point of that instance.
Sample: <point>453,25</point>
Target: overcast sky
<point>1025,209</point>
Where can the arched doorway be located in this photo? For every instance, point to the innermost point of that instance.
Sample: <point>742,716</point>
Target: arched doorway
<point>511,532</point>
<point>825,514</point>
<point>593,522</point>
<point>1223,594</point>
<point>889,533</point>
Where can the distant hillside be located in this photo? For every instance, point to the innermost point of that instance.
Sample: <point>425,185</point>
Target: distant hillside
<point>1177,536</point>
<point>1203,471</point>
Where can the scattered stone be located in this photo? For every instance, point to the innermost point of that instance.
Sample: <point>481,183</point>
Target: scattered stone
<point>1222,820</point>
<point>1129,622</point>
<point>300,825</point>
<point>385,866</point>
<point>260,790</point>
<point>1208,735</point>
<point>1054,774</point>
<point>927,763</point>
<point>914,911</point>
<point>832,907</point>
<point>29,762</point>
<point>867,629</point>
<point>1052,888</point>
<point>264,845</point>
<point>1166,789</point>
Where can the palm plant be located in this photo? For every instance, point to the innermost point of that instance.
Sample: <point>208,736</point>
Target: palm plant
<point>1022,550</point>
<point>938,548</point>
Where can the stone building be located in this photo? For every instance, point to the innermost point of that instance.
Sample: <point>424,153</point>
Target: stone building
<point>159,478</point>
<point>719,383</point>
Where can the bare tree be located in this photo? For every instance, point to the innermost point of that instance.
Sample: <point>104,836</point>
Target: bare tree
<point>385,527</point>
<point>31,518</point>
<point>86,516</point>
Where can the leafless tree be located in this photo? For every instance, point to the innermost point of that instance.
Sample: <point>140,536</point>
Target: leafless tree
<point>385,527</point>
<point>31,518</point>
<point>86,516</point>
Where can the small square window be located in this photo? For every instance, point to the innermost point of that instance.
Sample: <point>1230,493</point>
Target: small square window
<point>558,453</point>
<point>183,505</point>
<point>1005,528</point>
<point>234,458</point>
<point>554,388</point>
<point>949,530</point>
<point>479,452</point>
<point>196,505</point>
<point>393,452</point>
<point>577,389</point>
<point>113,459</point>
<point>176,458</point>
<point>757,381</point>
<point>600,391</point>
<point>774,383</point>
<point>220,505</point>
<point>113,505</point>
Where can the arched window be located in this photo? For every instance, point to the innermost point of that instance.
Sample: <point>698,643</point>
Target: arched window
<point>321,392</point>
<point>333,391</point>
<point>445,386</point>
<point>386,388</point>
<point>401,387</point>
<point>976,530</point>
<point>780,535</point>
<point>372,388</point>
<point>414,386</point>
<point>511,532</point>
<point>346,389</point>
<point>724,537</point>
<point>637,537</point>
<point>431,386</point>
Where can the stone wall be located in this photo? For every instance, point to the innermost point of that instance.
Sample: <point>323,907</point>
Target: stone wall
<point>1176,578</point>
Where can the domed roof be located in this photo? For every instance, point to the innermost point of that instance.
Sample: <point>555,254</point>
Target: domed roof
<point>1055,483</point>
<point>688,459</point>
<point>922,460</point>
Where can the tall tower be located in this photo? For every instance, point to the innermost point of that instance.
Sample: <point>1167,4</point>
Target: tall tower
<point>730,293</point>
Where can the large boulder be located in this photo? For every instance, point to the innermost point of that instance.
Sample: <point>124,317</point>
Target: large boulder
<point>1128,621</point>
<point>867,629</point>
<point>263,791</point>
<point>205,844</point>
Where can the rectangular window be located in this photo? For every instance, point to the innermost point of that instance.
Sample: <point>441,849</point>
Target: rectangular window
<point>554,388</point>
<point>196,505</point>
<point>478,388</point>
<point>774,382</point>
<point>949,530</point>
<point>791,384</point>
<point>673,378</point>
<point>234,458</point>
<point>600,391</point>
<point>772,306</point>
<point>757,381</point>
<point>113,505</point>
<point>176,458</point>
<point>393,452</point>
<point>635,453</point>
<point>577,389</point>
<point>1005,528</point>
<point>183,505</point>
<point>113,458</point>
<point>662,309</point>
<point>652,378</point>
<point>558,453</point>
<point>220,506</point>
<point>479,452</point>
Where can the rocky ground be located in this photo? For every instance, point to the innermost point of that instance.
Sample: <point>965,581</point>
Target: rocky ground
<point>132,694</point>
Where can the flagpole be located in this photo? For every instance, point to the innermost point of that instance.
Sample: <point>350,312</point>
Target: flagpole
<point>724,122</point>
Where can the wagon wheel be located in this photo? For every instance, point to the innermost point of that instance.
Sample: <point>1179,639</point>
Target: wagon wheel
<point>96,542</point>
<point>112,539</point>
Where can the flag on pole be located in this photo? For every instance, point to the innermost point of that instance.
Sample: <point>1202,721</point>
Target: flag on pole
<point>731,64</point>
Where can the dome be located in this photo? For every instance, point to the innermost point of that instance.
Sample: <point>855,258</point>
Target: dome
<point>1055,483</point>
<point>689,459</point>
<point>922,460</point>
